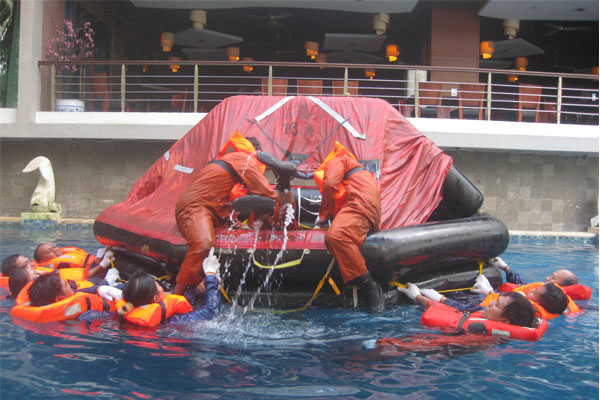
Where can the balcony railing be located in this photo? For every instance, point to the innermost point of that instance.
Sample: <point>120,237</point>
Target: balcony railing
<point>417,91</point>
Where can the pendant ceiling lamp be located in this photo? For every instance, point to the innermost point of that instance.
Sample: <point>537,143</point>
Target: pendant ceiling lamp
<point>312,49</point>
<point>486,49</point>
<point>233,53</point>
<point>511,28</point>
<point>321,59</point>
<point>513,78</point>
<point>392,52</point>
<point>174,67</point>
<point>198,17</point>
<point>167,39</point>
<point>369,73</point>
<point>248,68</point>
<point>381,22</point>
<point>521,63</point>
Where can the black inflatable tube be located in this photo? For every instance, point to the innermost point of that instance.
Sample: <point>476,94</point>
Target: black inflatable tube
<point>460,198</point>
<point>480,236</point>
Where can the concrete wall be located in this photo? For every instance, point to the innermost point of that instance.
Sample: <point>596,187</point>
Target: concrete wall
<point>527,191</point>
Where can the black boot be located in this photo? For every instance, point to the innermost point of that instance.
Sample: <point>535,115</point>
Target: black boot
<point>284,171</point>
<point>372,292</point>
<point>253,203</point>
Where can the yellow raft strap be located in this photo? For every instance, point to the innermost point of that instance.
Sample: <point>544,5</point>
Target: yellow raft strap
<point>320,285</point>
<point>334,286</point>
<point>394,283</point>
<point>224,293</point>
<point>288,264</point>
<point>317,289</point>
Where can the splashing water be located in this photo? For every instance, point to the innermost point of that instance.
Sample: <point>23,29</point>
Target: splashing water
<point>289,216</point>
<point>257,226</point>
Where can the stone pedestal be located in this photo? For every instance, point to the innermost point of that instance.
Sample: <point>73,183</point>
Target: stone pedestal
<point>39,220</point>
<point>40,216</point>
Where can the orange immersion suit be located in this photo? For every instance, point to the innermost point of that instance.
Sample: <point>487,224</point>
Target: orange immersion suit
<point>205,204</point>
<point>360,213</point>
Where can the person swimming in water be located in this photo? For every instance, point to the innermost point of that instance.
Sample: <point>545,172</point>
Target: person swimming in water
<point>511,308</point>
<point>141,289</point>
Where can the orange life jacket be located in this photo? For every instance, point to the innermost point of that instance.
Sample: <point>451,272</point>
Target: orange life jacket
<point>525,289</point>
<point>74,274</point>
<point>23,296</point>
<point>575,292</point>
<point>72,257</point>
<point>237,142</point>
<point>155,313</point>
<point>578,291</point>
<point>62,310</point>
<point>340,195</point>
<point>444,317</point>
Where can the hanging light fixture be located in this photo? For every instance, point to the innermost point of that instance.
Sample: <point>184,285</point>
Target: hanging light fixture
<point>513,78</point>
<point>369,73</point>
<point>144,68</point>
<point>511,27</point>
<point>248,68</point>
<point>381,22</point>
<point>198,17</point>
<point>174,67</point>
<point>392,52</point>
<point>167,39</point>
<point>521,63</point>
<point>312,49</point>
<point>233,53</point>
<point>321,59</point>
<point>486,49</point>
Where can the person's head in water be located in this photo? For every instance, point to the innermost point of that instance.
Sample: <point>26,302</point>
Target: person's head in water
<point>562,277</point>
<point>46,252</point>
<point>13,262</point>
<point>19,277</point>
<point>49,288</point>
<point>551,297</point>
<point>139,290</point>
<point>512,308</point>
<point>255,143</point>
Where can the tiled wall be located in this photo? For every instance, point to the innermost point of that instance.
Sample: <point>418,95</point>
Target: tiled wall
<point>526,191</point>
<point>544,192</point>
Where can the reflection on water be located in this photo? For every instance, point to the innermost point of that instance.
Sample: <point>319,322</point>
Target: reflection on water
<point>314,354</point>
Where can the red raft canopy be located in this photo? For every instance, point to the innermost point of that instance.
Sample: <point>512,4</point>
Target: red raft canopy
<point>411,170</point>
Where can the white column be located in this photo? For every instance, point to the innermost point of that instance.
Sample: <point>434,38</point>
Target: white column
<point>30,52</point>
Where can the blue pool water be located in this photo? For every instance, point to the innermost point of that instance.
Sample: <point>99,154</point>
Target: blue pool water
<point>314,354</point>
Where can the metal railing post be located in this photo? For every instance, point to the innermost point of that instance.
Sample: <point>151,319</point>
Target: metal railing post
<point>270,83</point>
<point>489,97</point>
<point>345,80</point>
<point>559,99</point>
<point>52,87</point>
<point>417,111</point>
<point>123,71</point>
<point>196,88</point>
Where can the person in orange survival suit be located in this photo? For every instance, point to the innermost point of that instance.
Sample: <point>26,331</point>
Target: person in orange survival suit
<point>205,204</point>
<point>355,214</point>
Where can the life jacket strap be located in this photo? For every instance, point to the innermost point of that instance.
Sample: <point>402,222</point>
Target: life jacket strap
<point>352,172</point>
<point>459,328</point>
<point>227,167</point>
<point>163,311</point>
<point>85,262</point>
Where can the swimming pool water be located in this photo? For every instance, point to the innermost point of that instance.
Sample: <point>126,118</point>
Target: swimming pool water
<point>314,354</point>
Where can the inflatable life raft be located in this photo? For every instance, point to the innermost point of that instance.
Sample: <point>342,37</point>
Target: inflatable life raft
<point>429,219</point>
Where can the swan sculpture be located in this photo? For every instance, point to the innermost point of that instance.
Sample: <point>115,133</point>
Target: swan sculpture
<point>42,200</point>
